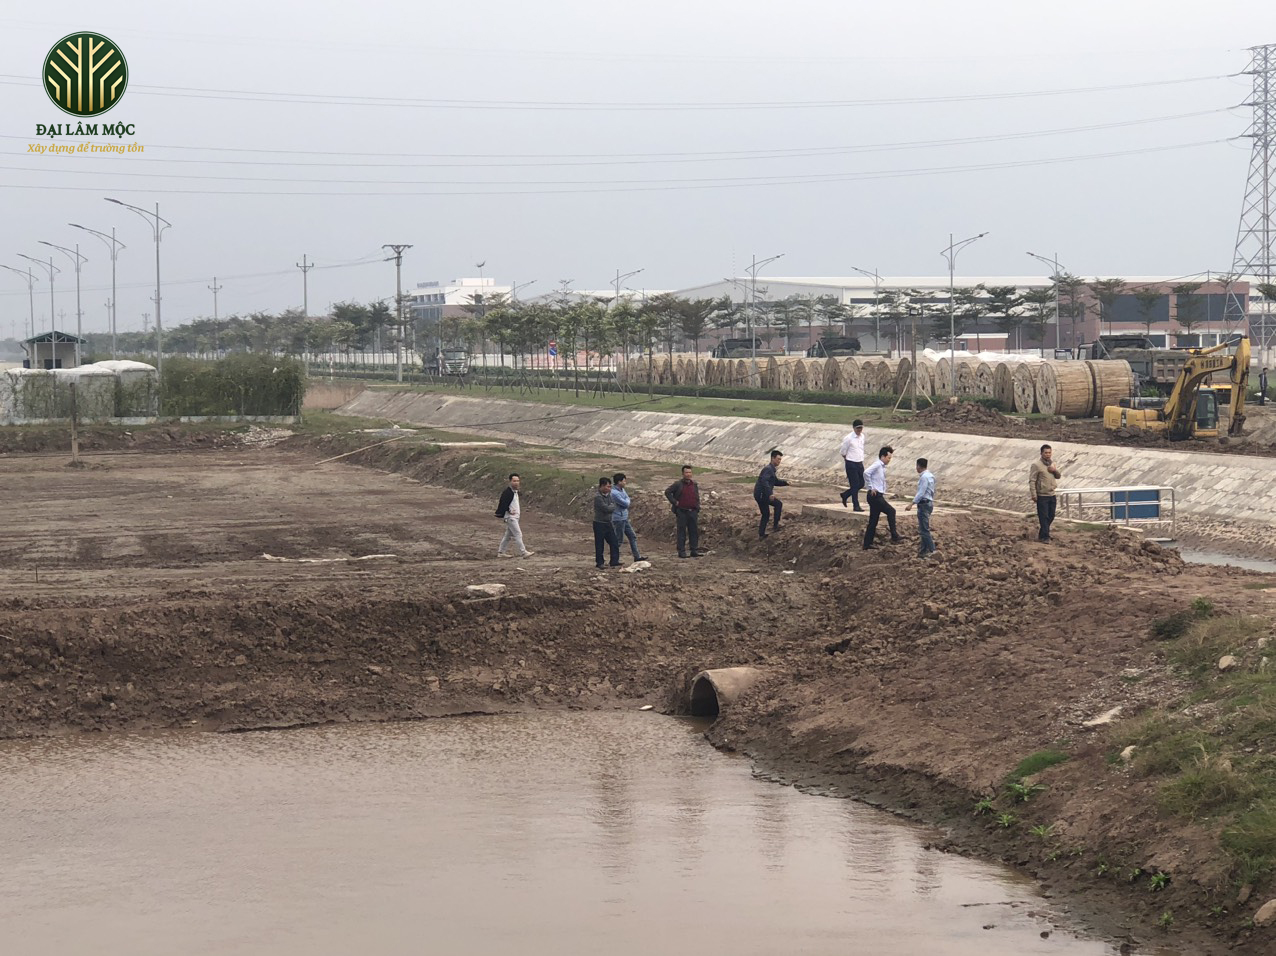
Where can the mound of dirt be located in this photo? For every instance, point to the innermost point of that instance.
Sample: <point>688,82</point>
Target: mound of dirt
<point>963,413</point>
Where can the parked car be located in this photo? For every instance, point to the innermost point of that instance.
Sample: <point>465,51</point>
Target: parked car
<point>832,345</point>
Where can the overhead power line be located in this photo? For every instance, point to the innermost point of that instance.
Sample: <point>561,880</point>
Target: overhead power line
<point>465,161</point>
<point>266,96</point>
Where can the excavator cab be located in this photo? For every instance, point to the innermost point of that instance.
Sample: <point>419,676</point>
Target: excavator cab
<point>1205,424</point>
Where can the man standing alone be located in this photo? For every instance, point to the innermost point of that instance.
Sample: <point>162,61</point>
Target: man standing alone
<point>875,485</point>
<point>508,510</point>
<point>604,528</point>
<point>925,501</point>
<point>852,452</point>
<point>684,498</point>
<point>1262,387</point>
<point>1043,478</point>
<point>764,493</point>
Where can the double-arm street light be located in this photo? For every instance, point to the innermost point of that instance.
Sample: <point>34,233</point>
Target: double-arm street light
<point>31,281</point>
<point>617,281</point>
<point>114,246</point>
<point>52,270</point>
<point>753,298</point>
<point>1054,277</point>
<point>515,286</point>
<point>78,260</point>
<point>158,225</point>
<point>951,255</point>
<point>877,281</point>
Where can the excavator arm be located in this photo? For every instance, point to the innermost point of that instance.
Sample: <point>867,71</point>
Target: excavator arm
<point>1180,408</point>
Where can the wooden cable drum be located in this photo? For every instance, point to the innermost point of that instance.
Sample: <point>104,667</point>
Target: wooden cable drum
<point>1003,387</point>
<point>926,377</point>
<point>680,371</point>
<point>944,377</point>
<point>1113,381</point>
<point>700,372</point>
<point>710,370</point>
<point>800,381</point>
<point>1023,382</point>
<point>783,378</point>
<point>903,375</point>
<point>771,373</point>
<point>664,371</point>
<point>756,369</point>
<point>966,378</point>
<point>850,375</point>
<point>984,375</point>
<point>831,379</point>
<point>1065,388</point>
<point>739,374</point>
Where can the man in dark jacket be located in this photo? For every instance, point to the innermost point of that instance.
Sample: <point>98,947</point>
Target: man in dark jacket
<point>604,529</point>
<point>764,493</point>
<point>508,509</point>
<point>684,499</point>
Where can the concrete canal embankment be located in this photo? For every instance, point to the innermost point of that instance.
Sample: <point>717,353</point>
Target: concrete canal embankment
<point>1211,490</point>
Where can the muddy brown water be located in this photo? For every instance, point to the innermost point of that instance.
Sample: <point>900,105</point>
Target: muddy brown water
<point>543,834</point>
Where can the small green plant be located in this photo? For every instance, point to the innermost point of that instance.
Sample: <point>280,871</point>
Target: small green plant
<point>1102,869</point>
<point>1042,830</point>
<point>1035,763</point>
<point>1202,608</point>
<point>1166,920</point>
<point>1158,882</point>
<point>1135,873</point>
<point>983,806</point>
<point>1007,820</point>
<point>1023,792</point>
<point>1217,910</point>
<point>1054,855</point>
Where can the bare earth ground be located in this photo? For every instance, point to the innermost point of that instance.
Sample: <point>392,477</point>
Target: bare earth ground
<point>136,594</point>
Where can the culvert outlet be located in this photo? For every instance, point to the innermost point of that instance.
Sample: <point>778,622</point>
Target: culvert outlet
<point>713,690</point>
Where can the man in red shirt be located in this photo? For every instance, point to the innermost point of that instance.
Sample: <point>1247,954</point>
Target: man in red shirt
<point>684,499</point>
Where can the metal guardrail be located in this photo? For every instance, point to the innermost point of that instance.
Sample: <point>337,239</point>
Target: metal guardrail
<point>1127,505</point>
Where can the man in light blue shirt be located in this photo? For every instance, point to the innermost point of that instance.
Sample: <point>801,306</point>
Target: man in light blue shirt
<point>624,530</point>
<point>925,501</point>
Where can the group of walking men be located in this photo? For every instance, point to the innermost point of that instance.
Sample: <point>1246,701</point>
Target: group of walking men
<point>611,503</point>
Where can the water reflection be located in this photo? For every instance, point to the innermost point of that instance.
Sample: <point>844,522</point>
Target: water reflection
<point>546,834</point>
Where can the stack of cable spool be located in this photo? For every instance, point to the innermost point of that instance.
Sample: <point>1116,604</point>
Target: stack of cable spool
<point>984,380</point>
<point>944,377</point>
<point>850,374</point>
<point>1023,382</point>
<point>831,379</point>
<point>783,377</point>
<point>1065,388</point>
<point>1003,386</point>
<point>1113,381</point>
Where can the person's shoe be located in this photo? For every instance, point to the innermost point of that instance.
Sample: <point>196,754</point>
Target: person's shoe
<point>639,557</point>
<point>682,554</point>
<point>527,554</point>
<point>697,554</point>
<point>616,565</point>
<point>844,497</point>
<point>869,547</point>
<point>896,540</point>
<point>859,509</point>
<point>599,566</point>
<point>502,554</point>
<point>761,537</point>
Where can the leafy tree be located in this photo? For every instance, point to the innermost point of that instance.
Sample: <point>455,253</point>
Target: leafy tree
<point>1070,290</point>
<point>1004,305</point>
<point>1038,311</point>
<point>1106,292</point>
<point>1187,305</point>
<point>1148,300</point>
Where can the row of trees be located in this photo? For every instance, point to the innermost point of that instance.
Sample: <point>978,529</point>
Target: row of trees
<point>602,328</point>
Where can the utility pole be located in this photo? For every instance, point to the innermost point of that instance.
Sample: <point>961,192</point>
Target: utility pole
<point>305,289</point>
<point>1255,256</point>
<point>31,281</point>
<point>753,299</point>
<point>114,245</point>
<point>397,250</point>
<point>1053,260</point>
<point>214,289</point>
<point>951,255</point>
<point>877,326</point>
<point>75,257</point>
<point>158,224</point>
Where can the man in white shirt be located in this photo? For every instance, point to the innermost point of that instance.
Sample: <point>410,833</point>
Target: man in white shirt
<point>508,510</point>
<point>852,452</point>
<point>875,490</point>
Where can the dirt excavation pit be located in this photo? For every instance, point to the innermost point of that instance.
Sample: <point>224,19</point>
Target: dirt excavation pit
<point>137,596</point>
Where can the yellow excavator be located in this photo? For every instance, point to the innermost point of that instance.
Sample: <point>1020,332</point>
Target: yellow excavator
<point>1192,410</point>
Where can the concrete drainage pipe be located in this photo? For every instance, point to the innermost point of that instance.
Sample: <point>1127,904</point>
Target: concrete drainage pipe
<point>713,690</point>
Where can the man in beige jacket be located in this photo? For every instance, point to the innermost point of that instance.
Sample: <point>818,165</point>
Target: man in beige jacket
<point>1043,478</point>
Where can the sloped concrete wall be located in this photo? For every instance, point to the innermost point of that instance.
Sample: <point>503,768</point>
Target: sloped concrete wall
<point>1225,487</point>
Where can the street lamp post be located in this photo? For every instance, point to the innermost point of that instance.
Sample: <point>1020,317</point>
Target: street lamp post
<point>753,298</point>
<point>158,225</point>
<point>515,286</point>
<point>615,302</point>
<point>1054,261</point>
<point>52,271</point>
<point>78,260</point>
<point>114,245</point>
<point>877,328</point>
<point>951,255</point>
<point>31,281</point>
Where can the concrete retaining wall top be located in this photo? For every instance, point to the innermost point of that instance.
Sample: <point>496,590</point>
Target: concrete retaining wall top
<point>1215,486</point>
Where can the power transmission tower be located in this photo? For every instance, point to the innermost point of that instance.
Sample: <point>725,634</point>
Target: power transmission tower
<point>214,289</point>
<point>396,253</point>
<point>1256,235</point>
<point>305,291</point>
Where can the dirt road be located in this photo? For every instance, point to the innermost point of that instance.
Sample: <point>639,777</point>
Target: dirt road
<point>137,595</point>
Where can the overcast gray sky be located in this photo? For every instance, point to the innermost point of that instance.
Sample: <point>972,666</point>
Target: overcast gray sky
<point>461,128</point>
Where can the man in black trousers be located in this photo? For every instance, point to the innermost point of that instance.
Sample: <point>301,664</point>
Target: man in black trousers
<point>875,488</point>
<point>764,493</point>
<point>684,499</point>
<point>604,528</point>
